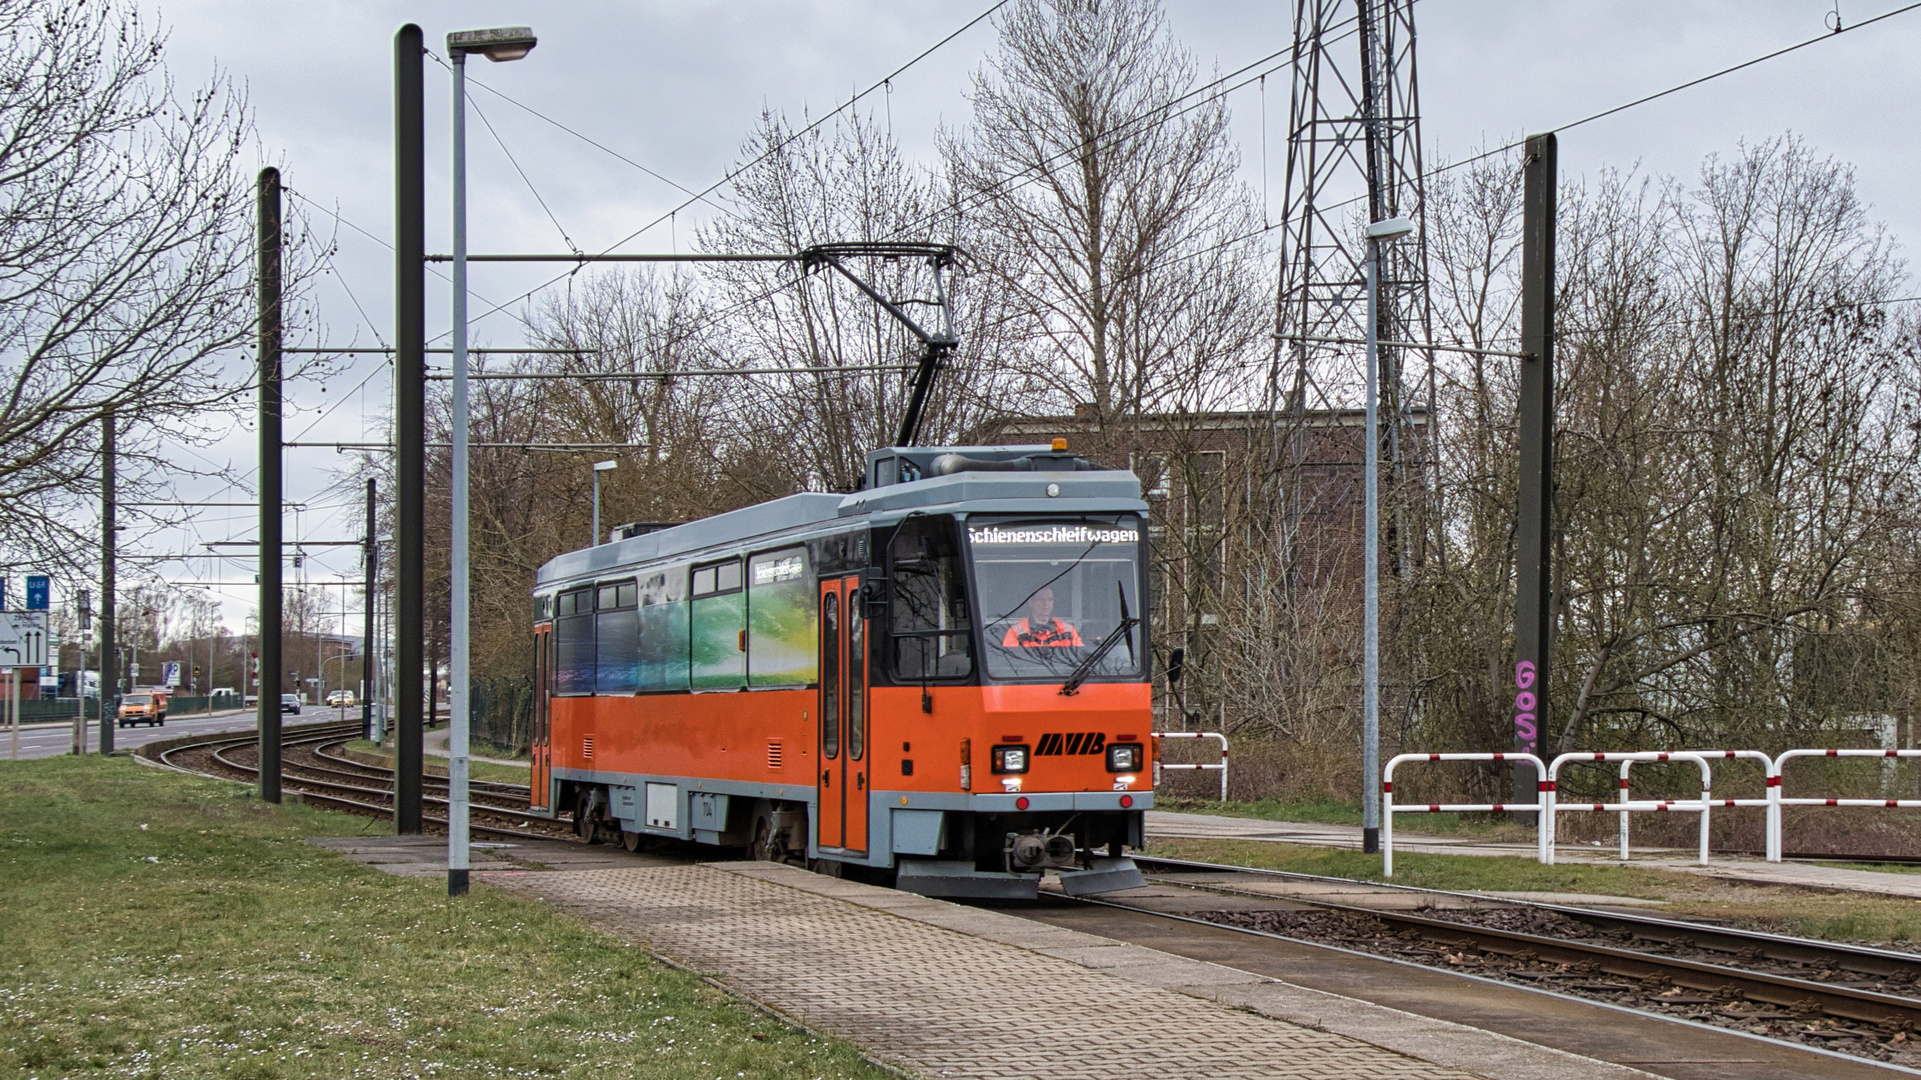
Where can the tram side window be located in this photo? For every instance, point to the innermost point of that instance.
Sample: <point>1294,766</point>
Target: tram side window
<point>617,638</point>
<point>663,630</point>
<point>780,619</point>
<point>718,627</point>
<point>574,642</point>
<point>932,628</point>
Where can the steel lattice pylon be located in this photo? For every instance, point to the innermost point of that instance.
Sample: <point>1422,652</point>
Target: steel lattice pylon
<point>1353,156</point>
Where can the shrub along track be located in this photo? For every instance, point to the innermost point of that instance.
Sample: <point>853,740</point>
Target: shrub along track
<point>1859,1001</point>
<point>314,767</point>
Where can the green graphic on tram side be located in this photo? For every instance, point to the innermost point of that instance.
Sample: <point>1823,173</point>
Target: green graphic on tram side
<point>717,658</point>
<point>663,645</point>
<point>781,645</point>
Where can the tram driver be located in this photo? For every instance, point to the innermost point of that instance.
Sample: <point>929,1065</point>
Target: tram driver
<point>1039,629</point>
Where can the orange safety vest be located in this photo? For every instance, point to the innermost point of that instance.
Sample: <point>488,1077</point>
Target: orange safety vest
<point>1057,633</point>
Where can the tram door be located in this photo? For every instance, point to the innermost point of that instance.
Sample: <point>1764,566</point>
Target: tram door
<point>843,717</point>
<point>539,796</point>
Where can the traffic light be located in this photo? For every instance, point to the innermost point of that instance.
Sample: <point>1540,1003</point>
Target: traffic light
<point>86,609</point>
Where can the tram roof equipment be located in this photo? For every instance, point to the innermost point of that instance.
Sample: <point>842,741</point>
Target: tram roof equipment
<point>994,479</point>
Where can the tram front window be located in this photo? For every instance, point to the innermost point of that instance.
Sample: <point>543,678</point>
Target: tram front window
<point>1052,592</point>
<point>931,628</point>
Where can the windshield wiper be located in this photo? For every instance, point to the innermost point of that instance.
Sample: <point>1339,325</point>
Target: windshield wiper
<point>1086,667</point>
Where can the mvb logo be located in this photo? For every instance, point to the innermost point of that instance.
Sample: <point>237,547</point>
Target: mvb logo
<point>1055,743</point>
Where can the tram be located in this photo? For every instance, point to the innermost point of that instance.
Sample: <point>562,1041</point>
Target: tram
<point>940,680</point>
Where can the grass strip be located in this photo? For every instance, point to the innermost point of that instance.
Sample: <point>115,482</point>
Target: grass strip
<point>161,925</point>
<point>1465,873</point>
<point>437,766</point>
<point>1335,812</point>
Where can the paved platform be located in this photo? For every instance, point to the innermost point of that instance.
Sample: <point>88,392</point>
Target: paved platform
<point>946,990</point>
<point>1162,825</point>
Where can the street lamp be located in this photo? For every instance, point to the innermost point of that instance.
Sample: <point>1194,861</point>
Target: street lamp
<point>498,44</point>
<point>1380,232</point>
<point>599,467</point>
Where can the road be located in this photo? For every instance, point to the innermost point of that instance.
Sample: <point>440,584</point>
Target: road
<point>49,740</point>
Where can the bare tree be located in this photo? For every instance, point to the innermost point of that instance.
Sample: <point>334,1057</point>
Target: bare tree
<point>837,184</point>
<point>1735,457</point>
<point>125,229</point>
<point>1109,210</point>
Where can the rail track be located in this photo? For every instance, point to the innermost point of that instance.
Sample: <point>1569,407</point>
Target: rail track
<point>1860,1001</point>
<point>313,767</point>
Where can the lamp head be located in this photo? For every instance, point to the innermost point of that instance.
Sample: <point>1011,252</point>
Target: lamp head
<point>1390,229</point>
<point>603,466</point>
<point>499,44</point>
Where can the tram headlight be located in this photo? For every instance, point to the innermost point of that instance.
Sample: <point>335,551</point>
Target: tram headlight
<point>1124,757</point>
<point>1010,759</point>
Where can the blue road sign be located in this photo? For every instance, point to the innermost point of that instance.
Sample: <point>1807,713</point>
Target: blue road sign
<point>38,588</point>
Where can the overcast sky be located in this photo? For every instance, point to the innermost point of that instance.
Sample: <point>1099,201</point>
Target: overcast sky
<point>676,86</point>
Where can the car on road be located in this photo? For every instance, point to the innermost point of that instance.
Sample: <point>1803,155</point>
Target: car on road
<point>143,707</point>
<point>341,698</point>
<point>290,703</point>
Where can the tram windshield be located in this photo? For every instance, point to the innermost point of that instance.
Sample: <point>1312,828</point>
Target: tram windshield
<point>1053,592</point>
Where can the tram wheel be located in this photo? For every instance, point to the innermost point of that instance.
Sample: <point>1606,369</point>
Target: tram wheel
<point>630,840</point>
<point>761,848</point>
<point>586,821</point>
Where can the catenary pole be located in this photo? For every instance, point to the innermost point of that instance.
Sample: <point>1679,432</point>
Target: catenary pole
<point>1534,585</point>
<point>458,674</point>
<point>267,716</point>
<point>1371,572</point>
<point>410,420</point>
<point>367,631</point>
<point>109,648</point>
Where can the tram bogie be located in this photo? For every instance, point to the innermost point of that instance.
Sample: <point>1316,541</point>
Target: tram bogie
<point>943,676</point>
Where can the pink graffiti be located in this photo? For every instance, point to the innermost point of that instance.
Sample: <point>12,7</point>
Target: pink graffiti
<point>1524,704</point>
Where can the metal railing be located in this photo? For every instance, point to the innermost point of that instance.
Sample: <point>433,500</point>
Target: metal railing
<point>1626,806</point>
<point>1550,803</point>
<point>1542,789</point>
<point>1220,765</point>
<point>1772,841</point>
<point>1777,790</point>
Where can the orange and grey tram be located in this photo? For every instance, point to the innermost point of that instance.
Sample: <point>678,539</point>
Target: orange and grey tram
<point>942,678</point>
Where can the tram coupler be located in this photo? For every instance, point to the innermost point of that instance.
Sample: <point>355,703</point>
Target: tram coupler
<point>1038,849</point>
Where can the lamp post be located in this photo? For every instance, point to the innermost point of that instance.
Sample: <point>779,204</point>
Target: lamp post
<point>498,44</point>
<point>599,467</point>
<point>1380,232</point>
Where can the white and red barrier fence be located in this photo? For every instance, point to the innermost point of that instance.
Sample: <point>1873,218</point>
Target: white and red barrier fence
<point>1548,803</point>
<point>1778,790</point>
<point>1220,766</point>
<point>1766,802</point>
<point>1625,806</point>
<point>1388,809</point>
